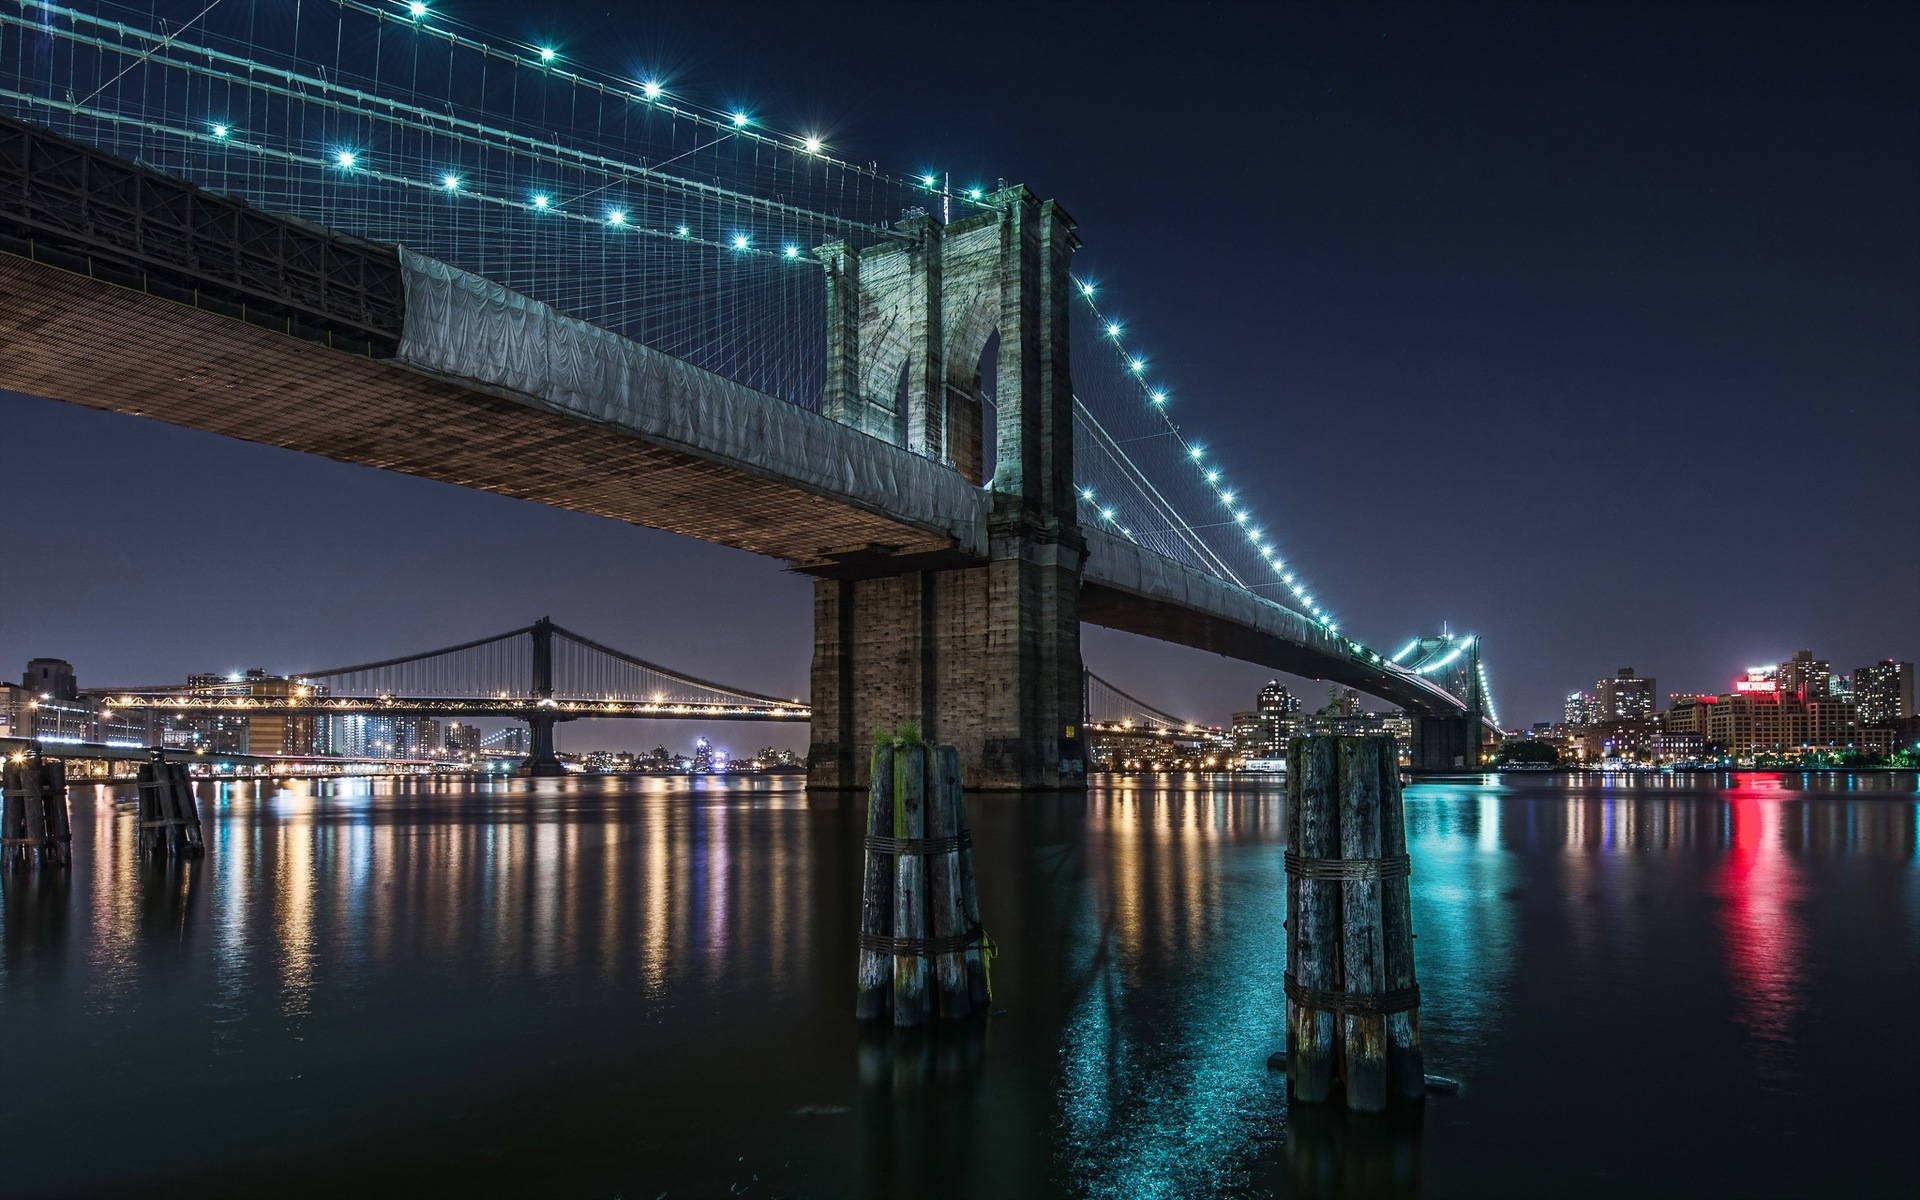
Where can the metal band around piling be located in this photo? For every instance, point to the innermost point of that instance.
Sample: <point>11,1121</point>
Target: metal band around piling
<point>1358,1004</point>
<point>1393,866</point>
<point>922,947</point>
<point>922,846</point>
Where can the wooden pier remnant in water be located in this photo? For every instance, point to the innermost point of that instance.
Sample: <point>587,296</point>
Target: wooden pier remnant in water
<point>922,950</point>
<point>169,815</point>
<point>35,827</point>
<point>1353,1003</point>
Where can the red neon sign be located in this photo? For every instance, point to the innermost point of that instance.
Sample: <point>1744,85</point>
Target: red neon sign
<point>1753,685</point>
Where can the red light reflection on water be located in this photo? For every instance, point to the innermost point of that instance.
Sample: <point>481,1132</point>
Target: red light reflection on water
<point>1761,935</point>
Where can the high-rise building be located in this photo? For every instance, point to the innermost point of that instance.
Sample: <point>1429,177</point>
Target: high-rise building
<point>1273,708</point>
<point>1804,676</point>
<point>1580,709</point>
<point>462,739</point>
<point>1625,697</point>
<point>1883,692</point>
<point>1249,736</point>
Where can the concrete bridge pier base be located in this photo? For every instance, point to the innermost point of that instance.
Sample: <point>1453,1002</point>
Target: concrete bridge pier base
<point>1443,744</point>
<point>985,658</point>
<point>541,761</point>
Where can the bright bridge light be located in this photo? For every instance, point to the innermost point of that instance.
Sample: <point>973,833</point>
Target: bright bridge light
<point>450,182</point>
<point>1136,365</point>
<point>546,54</point>
<point>792,252</point>
<point>975,194</point>
<point>540,201</point>
<point>1086,493</point>
<point>681,232</point>
<point>1106,514</point>
<point>740,120</point>
<point>929,180</point>
<point>1159,397</point>
<point>1226,497</point>
<point>417,9</point>
<point>1194,453</point>
<point>650,90</point>
<point>741,241</point>
<point>813,145</point>
<point>616,217</point>
<point>1086,289</point>
<point>219,131</point>
<point>346,158</point>
<point>1113,329</point>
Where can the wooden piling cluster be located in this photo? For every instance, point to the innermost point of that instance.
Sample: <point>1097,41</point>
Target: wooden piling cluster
<point>169,815</point>
<point>1353,1005</point>
<point>922,951</point>
<point>35,827</point>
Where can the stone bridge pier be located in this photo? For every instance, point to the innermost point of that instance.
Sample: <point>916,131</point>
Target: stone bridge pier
<point>982,655</point>
<point>1442,744</point>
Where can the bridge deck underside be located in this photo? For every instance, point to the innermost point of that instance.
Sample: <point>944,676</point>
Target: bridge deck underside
<point>1134,590</point>
<point>66,337</point>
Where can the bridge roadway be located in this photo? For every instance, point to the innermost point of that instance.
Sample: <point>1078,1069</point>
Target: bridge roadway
<point>519,708</point>
<point>126,290</point>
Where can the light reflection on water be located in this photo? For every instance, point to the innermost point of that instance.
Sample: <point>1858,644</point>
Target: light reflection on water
<point>599,987</point>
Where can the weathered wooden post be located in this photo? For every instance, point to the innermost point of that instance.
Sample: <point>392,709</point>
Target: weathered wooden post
<point>911,1001</point>
<point>876,894</point>
<point>943,882</point>
<point>1406,1064</point>
<point>35,828</point>
<point>921,945</point>
<point>1363,1026</point>
<point>169,815</point>
<point>1313,926</point>
<point>1349,926</point>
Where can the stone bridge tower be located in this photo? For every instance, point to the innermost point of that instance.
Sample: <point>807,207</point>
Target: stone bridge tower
<point>985,656</point>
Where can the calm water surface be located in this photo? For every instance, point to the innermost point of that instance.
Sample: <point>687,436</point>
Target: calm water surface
<point>598,988</point>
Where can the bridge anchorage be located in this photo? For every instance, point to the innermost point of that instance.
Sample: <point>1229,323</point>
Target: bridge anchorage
<point>541,674</point>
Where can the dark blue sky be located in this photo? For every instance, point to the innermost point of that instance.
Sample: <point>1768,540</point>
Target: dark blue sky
<point>1593,329</point>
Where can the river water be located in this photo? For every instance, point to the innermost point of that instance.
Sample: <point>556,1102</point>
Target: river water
<point>595,987</point>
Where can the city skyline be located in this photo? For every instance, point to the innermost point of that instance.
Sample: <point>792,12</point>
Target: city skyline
<point>1474,262</point>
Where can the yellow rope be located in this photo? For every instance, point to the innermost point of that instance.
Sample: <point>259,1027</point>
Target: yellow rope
<point>989,950</point>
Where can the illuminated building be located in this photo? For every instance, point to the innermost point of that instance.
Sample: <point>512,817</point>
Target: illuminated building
<point>1625,697</point>
<point>1249,735</point>
<point>1883,692</point>
<point>259,733</point>
<point>1805,676</point>
<point>1273,708</point>
<point>462,739</point>
<point>1580,709</point>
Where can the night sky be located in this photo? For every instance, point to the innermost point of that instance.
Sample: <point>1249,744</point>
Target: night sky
<point>1591,329</point>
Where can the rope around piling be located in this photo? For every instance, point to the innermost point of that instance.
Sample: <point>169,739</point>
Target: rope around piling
<point>1357,1004</point>
<point>1393,866</point>
<point>923,947</point>
<point>877,844</point>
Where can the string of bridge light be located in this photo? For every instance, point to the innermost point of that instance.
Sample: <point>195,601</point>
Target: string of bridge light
<point>1457,644</point>
<point>654,93</point>
<point>1158,399</point>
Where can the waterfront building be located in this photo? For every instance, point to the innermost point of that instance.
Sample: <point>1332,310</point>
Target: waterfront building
<point>1249,735</point>
<point>1883,692</point>
<point>462,739</point>
<point>1274,706</point>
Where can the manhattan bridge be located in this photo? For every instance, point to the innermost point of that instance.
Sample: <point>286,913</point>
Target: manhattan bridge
<point>373,232</point>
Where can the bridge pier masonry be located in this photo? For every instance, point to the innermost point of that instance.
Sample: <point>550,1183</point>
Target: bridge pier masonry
<point>981,656</point>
